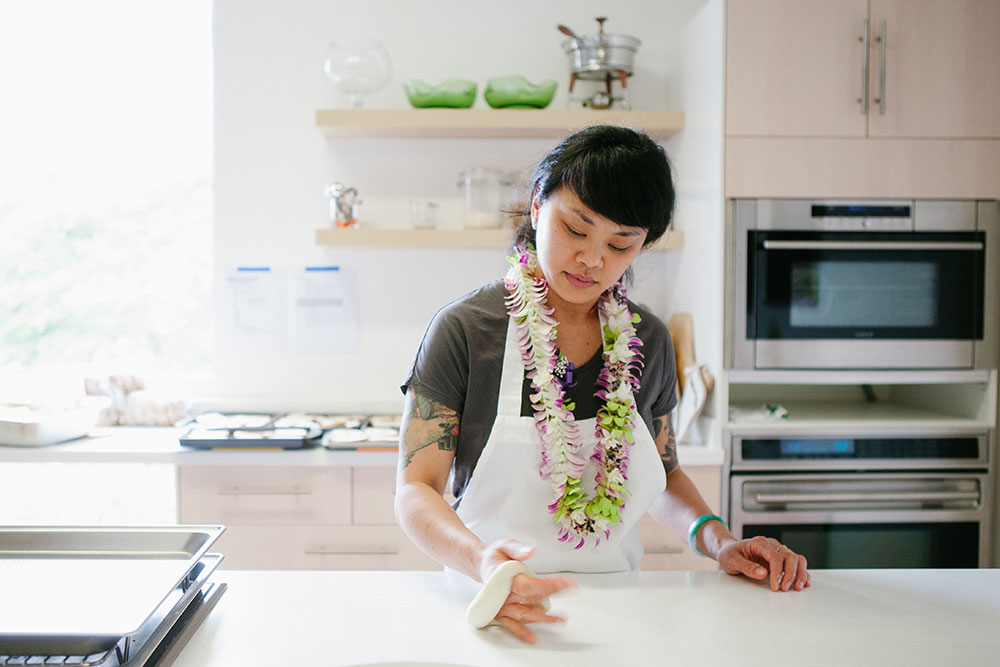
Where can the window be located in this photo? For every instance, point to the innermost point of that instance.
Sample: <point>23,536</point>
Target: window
<point>105,189</point>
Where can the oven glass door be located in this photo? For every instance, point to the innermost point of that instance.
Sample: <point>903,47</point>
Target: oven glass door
<point>865,285</point>
<point>868,520</point>
<point>878,545</point>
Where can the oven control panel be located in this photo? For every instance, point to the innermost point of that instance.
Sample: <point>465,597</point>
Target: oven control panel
<point>862,217</point>
<point>881,448</point>
<point>863,225</point>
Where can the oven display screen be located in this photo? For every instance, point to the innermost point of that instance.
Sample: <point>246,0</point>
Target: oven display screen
<point>848,211</point>
<point>816,447</point>
<point>775,449</point>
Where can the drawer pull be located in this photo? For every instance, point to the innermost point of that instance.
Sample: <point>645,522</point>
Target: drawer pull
<point>352,551</point>
<point>664,550</point>
<point>237,491</point>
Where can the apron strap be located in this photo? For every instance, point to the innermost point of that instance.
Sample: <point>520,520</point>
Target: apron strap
<point>512,375</point>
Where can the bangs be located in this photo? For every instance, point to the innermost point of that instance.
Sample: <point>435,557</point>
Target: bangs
<point>616,172</point>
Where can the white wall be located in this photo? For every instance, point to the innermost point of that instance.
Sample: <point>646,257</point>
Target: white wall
<point>695,276</point>
<point>272,165</point>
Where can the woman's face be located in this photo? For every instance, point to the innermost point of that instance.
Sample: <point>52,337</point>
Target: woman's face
<point>581,253</point>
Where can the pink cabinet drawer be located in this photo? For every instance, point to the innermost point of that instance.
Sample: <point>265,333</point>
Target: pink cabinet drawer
<point>664,551</point>
<point>251,495</point>
<point>320,548</point>
<point>374,495</point>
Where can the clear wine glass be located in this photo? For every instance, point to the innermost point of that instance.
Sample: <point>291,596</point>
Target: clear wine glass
<point>358,67</point>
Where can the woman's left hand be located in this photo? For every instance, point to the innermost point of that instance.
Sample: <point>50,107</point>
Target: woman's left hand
<point>759,556</point>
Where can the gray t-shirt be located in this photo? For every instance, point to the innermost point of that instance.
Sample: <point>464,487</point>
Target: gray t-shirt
<point>460,360</point>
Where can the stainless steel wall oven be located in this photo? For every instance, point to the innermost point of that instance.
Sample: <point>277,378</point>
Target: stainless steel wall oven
<point>833,284</point>
<point>869,501</point>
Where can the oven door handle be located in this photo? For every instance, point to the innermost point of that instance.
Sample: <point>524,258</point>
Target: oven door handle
<point>771,244</point>
<point>861,497</point>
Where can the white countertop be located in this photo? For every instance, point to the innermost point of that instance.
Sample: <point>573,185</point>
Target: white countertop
<point>847,617</point>
<point>138,444</point>
<point>150,444</point>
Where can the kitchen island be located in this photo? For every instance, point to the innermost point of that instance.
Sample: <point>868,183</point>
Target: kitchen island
<point>847,617</point>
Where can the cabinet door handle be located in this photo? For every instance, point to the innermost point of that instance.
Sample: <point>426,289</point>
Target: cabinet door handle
<point>237,491</point>
<point>863,100</point>
<point>351,551</point>
<point>881,70</point>
<point>664,550</point>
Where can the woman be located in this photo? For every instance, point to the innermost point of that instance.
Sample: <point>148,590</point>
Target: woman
<point>546,398</point>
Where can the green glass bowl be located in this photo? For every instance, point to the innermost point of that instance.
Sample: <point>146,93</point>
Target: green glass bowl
<point>511,92</point>
<point>451,93</point>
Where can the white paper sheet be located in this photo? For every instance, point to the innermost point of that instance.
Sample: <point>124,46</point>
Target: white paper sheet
<point>325,312</point>
<point>253,319</point>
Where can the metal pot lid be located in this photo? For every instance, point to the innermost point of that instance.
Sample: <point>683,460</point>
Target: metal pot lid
<point>597,41</point>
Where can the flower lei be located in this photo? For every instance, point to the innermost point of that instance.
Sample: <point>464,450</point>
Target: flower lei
<point>579,516</point>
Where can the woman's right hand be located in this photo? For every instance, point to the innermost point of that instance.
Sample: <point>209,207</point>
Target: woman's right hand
<point>526,602</point>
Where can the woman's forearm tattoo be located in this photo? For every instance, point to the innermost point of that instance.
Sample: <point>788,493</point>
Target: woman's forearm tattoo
<point>428,423</point>
<point>666,444</point>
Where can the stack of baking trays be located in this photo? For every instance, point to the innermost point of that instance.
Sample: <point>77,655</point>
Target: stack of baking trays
<point>102,596</point>
<point>214,430</point>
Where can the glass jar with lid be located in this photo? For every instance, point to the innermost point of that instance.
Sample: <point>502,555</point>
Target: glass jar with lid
<point>484,192</point>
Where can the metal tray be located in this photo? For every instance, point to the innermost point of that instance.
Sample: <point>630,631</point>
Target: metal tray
<point>80,590</point>
<point>169,628</point>
<point>269,438</point>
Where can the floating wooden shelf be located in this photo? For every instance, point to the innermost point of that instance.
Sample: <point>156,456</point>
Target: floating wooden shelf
<point>454,238</point>
<point>485,123</point>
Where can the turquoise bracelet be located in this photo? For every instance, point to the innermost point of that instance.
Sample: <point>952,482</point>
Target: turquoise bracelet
<point>696,526</point>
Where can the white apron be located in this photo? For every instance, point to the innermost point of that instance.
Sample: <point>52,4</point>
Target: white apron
<point>507,498</point>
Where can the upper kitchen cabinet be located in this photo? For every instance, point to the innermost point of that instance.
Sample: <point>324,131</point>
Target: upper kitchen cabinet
<point>793,67</point>
<point>941,64</point>
<point>863,98</point>
<point>857,68</point>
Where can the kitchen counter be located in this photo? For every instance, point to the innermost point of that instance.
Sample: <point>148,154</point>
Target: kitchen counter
<point>145,444</point>
<point>150,444</point>
<point>847,617</point>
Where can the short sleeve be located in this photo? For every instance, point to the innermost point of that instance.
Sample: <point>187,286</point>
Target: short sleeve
<point>659,373</point>
<point>666,399</point>
<point>440,368</point>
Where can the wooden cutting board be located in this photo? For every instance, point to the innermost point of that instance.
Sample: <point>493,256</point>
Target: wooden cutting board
<point>681,329</point>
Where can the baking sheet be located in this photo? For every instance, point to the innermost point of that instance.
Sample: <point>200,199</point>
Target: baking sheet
<point>88,587</point>
<point>361,438</point>
<point>272,438</point>
<point>215,430</point>
<point>165,630</point>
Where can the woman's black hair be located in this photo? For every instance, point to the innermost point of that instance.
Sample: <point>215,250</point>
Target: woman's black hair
<point>617,172</point>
